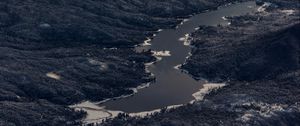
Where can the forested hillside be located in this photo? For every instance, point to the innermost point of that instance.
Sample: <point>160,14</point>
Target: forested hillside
<point>258,56</point>
<point>59,52</point>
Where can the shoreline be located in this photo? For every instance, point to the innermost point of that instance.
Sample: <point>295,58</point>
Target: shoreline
<point>207,87</point>
<point>243,102</point>
<point>105,114</point>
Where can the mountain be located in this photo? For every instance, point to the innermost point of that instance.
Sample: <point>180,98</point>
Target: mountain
<point>258,56</point>
<point>55,53</point>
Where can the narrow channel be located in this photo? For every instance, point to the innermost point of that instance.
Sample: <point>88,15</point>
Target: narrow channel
<point>172,86</point>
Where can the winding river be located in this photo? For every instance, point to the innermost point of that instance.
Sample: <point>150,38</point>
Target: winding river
<point>172,86</point>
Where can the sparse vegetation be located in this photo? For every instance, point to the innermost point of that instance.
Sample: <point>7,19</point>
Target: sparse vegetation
<point>60,51</point>
<point>258,56</point>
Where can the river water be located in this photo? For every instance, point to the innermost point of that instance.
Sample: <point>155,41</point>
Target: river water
<point>172,86</point>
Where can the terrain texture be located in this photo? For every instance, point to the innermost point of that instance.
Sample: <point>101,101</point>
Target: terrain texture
<point>258,56</point>
<point>55,53</point>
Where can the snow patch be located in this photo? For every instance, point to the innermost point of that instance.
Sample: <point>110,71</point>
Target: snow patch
<point>183,21</point>
<point>182,39</point>
<point>186,40</point>
<point>265,110</point>
<point>146,113</point>
<point>161,53</point>
<point>288,12</point>
<point>103,66</point>
<point>224,18</point>
<point>186,20</point>
<point>135,90</point>
<point>206,89</point>
<point>147,42</point>
<point>177,67</point>
<point>53,75</point>
<point>246,117</point>
<point>45,25</point>
<point>110,48</point>
<point>94,112</point>
<point>158,58</point>
<point>263,7</point>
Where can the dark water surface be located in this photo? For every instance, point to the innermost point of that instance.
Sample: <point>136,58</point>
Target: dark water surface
<point>172,86</point>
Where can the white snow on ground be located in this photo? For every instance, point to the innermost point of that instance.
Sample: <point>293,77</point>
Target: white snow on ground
<point>190,54</point>
<point>103,66</point>
<point>263,7</point>
<point>265,110</point>
<point>183,21</point>
<point>95,113</point>
<point>246,117</point>
<point>135,90</point>
<point>206,89</point>
<point>148,39</point>
<point>45,25</point>
<point>182,39</point>
<point>143,114</point>
<point>186,40</point>
<point>147,42</point>
<point>158,58</point>
<point>110,48</point>
<point>177,67</point>
<point>161,53</point>
<point>288,12</point>
<point>53,76</point>
<point>148,64</point>
<point>224,18</point>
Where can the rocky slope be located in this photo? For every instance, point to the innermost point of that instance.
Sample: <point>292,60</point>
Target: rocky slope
<point>258,55</point>
<point>66,51</point>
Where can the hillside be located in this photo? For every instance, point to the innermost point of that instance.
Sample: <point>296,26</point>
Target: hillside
<point>258,56</point>
<point>59,52</point>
